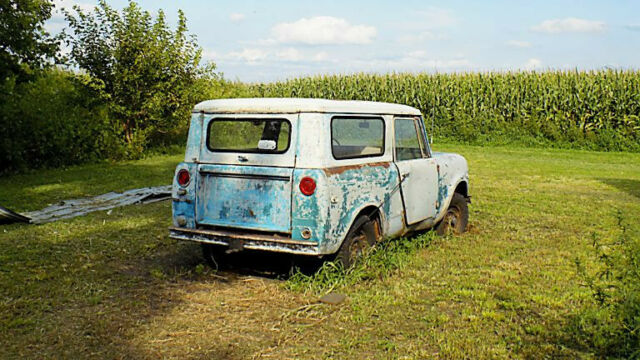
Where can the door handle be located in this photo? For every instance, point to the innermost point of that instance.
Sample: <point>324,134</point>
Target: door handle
<point>242,158</point>
<point>405,175</point>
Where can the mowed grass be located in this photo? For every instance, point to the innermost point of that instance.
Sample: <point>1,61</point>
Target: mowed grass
<point>39,188</point>
<point>114,286</point>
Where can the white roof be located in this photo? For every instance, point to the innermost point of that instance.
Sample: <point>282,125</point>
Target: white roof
<point>296,105</point>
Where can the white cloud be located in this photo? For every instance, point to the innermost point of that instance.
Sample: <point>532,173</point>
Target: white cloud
<point>250,56</point>
<point>418,60</point>
<point>208,54</point>
<point>321,56</point>
<point>518,44</point>
<point>570,24</point>
<point>236,17</point>
<point>425,25</point>
<point>290,54</point>
<point>323,30</point>
<point>532,64</point>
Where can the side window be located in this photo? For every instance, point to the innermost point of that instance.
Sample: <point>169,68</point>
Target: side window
<point>409,139</point>
<point>353,137</point>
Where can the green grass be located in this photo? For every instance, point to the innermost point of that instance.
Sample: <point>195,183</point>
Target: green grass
<point>114,286</point>
<point>39,188</point>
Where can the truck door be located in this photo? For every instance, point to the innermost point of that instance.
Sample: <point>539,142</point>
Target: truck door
<point>418,169</point>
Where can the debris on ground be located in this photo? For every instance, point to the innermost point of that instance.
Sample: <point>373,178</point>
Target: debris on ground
<point>333,298</point>
<point>9,217</point>
<point>77,207</point>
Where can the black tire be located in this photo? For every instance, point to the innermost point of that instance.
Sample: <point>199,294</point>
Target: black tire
<point>456,218</point>
<point>360,237</point>
<point>214,255</point>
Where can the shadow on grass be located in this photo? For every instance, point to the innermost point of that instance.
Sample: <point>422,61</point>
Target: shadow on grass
<point>630,186</point>
<point>86,287</point>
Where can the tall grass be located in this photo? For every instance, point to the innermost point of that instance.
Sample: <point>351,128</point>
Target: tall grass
<point>384,258</point>
<point>596,110</point>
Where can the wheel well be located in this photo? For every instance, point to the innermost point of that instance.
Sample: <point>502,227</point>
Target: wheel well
<point>373,213</point>
<point>462,189</point>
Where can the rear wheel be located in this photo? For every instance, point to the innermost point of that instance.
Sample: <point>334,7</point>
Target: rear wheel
<point>456,218</point>
<point>360,237</point>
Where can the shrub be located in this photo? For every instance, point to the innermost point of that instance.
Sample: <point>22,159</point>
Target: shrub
<point>610,323</point>
<point>56,119</point>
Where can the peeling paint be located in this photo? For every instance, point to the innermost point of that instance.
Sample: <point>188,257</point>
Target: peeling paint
<point>340,169</point>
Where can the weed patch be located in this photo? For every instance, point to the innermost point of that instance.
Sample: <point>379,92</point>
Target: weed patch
<point>610,323</point>
<point>382,259</point>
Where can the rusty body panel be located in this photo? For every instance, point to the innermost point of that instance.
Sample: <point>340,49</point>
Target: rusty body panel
<point>248,197</point>
<point>340,169</point>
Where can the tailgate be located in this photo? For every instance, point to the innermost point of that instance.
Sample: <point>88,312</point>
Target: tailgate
<point>248,197</point>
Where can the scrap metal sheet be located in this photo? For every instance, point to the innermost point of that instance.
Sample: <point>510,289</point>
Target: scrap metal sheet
<point>71,208</point>
<point>9,217</point>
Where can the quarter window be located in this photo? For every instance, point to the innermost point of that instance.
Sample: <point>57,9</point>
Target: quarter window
<point>353,137</point>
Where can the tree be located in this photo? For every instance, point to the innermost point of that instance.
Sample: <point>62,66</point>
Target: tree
<point>24,44</point>
<point>149,71</point>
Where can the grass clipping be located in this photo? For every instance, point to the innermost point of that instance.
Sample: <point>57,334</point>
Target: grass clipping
<point>379,261</point>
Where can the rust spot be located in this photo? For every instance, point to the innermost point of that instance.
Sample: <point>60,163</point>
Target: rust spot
<point>340,169</point>
<point>252,213</point>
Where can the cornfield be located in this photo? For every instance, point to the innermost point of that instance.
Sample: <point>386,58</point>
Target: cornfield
<point>593,110</point>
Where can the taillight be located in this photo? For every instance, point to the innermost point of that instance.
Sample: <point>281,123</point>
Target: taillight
<point>307,185</point>
<point>183,177</point>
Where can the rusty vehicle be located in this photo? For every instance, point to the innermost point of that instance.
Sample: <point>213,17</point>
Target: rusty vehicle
<point>312,177</point>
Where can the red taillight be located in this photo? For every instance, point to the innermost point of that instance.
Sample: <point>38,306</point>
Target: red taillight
<point>307,185</point>
<point>183,177</point>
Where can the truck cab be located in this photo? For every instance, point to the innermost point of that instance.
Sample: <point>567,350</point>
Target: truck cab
<point>312,177</point>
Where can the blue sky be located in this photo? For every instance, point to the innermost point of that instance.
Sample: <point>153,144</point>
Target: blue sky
<point>276,40</point>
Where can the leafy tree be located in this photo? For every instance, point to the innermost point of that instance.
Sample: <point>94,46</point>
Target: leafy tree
<point>150,72</point>
<point>24,44</point>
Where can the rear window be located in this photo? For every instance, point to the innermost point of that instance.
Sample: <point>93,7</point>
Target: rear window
<point>270,136</point>
<point>355,137</point>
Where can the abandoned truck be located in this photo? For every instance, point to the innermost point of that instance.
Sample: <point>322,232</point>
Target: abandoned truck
<point>312,177</point>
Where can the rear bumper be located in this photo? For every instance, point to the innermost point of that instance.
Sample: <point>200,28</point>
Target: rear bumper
<point>239,240</point>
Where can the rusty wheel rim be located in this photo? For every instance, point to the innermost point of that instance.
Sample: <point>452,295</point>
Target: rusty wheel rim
<point>451,220</point>
<point>356,248</point>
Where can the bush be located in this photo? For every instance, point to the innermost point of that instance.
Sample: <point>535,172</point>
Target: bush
<point>57,119</point>
<point>610,324</point>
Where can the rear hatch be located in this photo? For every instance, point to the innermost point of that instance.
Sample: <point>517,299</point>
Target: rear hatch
<point>245,172</point>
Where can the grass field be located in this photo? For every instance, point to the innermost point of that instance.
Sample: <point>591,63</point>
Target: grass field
<point>114,286</point>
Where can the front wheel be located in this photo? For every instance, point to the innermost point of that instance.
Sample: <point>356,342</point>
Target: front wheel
<point>456,218</point>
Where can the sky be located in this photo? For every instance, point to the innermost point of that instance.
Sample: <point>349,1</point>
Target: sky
<point>266,41</point>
